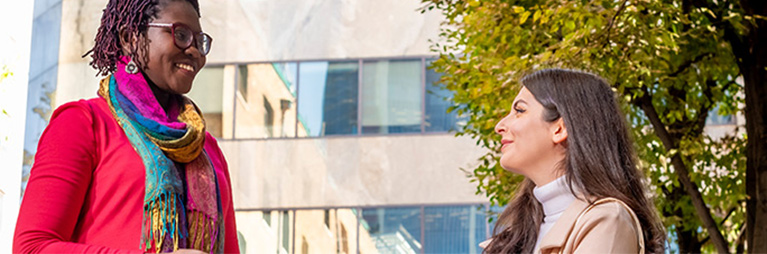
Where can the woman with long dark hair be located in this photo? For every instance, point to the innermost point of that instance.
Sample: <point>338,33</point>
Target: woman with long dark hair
<point>583,191</point>
<point>134,169</point>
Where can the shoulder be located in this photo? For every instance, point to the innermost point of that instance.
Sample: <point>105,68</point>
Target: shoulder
<point>610,212</point>
<point>606,227</point>
<point>72,109</point>
<point>83,108</point>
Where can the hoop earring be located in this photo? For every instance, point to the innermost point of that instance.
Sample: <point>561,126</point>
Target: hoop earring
<point>131,67</point>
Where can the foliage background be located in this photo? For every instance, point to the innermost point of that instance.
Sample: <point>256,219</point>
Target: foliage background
<point>660,56</point>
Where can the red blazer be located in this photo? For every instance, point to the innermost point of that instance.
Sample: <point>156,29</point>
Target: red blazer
<point>86,189</point>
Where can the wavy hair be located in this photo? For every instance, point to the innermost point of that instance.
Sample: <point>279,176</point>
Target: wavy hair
<point>600,160</point>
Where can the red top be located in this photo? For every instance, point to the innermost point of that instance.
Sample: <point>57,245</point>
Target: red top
<point>86,189</point>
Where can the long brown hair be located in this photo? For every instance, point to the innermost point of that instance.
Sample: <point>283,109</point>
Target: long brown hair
<point>600,160</point>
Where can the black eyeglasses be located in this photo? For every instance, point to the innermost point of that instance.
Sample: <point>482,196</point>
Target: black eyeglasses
<point>183,37</point>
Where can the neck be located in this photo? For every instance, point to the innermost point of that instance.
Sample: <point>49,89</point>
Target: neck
<point>547,169</point>
<point>163,97</point>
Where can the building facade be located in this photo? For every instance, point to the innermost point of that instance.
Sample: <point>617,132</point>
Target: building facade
<point>335,132</point>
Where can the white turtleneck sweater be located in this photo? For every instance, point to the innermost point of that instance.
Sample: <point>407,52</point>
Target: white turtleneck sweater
<point>555,198</point>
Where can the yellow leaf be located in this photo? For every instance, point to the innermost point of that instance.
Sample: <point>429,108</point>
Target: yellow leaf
<point>518,9</point>
<point>537,15</point>
<point>523,17</point>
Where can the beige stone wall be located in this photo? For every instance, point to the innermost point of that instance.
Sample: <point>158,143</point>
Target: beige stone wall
<point>352,171</point>
<point>261,31</point>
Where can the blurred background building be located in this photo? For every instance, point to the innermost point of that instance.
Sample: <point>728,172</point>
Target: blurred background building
<point>336,135</point>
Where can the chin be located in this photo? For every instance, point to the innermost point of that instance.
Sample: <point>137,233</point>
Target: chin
<point>511,167</point>
<point>182,89</point>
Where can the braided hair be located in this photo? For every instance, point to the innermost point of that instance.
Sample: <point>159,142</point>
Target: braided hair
<point>130,17</point>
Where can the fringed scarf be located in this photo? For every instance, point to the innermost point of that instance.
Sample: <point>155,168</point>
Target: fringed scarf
<point>177,213</point>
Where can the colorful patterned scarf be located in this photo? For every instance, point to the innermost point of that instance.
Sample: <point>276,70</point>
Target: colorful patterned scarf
<point>177,213</point>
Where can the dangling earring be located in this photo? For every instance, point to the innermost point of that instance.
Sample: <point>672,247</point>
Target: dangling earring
<point>131,67</point>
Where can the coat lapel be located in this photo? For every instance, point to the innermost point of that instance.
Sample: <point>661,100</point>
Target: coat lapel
<point>557,237</point>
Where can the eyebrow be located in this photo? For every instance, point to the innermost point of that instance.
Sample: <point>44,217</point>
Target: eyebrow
<point>519,101</point>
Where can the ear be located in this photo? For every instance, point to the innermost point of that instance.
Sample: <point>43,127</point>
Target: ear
<point>558,131</point>
<point>126,40</point>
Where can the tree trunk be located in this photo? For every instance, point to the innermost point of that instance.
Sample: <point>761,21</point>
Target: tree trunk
<point>752,56</point>
<point>703,212</point>
<point>688,241</point>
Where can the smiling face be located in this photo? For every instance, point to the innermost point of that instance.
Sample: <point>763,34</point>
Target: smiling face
<point>531,146</point>
<point>172,69</point>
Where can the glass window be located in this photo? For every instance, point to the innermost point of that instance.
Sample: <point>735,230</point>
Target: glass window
<point>391,96</point>
<point>453,229</point>
<point>327,98</point>
<point>267,217</point>
<point>446,229</point>
<point>328,230</point>
<point>242,80</point>
<point>286,231</point>
<point>437,102</point>
<point>207,93</point>
<point>265,105</point>
<point>304,245</point>
<point>344,240</point>
<point>326,214</point>
<point>393,230</point>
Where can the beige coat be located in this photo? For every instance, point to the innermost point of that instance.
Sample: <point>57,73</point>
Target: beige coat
<point>606,228</point>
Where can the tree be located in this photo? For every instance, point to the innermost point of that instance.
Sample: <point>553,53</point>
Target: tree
<point>672,62</point>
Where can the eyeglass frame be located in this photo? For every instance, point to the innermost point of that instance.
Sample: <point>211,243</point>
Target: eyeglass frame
<point>195,36</point>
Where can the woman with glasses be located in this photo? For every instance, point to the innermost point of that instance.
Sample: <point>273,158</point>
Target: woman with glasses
<point>133,170</point>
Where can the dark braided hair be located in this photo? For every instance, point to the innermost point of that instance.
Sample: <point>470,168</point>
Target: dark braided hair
<point>132,16</point>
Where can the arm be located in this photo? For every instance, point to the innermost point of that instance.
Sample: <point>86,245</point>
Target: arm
<point>231,244</point>
<point>609,228</point>
<point>58,184</point>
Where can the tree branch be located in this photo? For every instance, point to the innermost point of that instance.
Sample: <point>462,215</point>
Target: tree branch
<point>689,63</point>
<point>703,212</point>
<point>612,21</point>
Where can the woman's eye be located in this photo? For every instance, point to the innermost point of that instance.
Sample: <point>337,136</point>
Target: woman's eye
<point>519,110</point>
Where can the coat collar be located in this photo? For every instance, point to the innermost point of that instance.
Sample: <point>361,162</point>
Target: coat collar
<point>557,237</point>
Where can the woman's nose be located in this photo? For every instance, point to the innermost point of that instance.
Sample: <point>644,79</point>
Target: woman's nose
<point>500,127</point>
<point>194,51</point>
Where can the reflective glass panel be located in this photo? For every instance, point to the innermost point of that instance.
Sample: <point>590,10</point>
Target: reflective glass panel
<point>393,230</point>
<point>256,235</point>
<point>437,102</point>
<point>454,229</point>
<point>391,96</point>
<point>327,98</point>
<point>207,92</point>
<point>265,106</point>
<point>313,235</point>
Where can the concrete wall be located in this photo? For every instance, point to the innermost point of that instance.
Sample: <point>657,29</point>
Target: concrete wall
<point>250,31</point>
<point>291,172</point>
<point>352,171</point>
